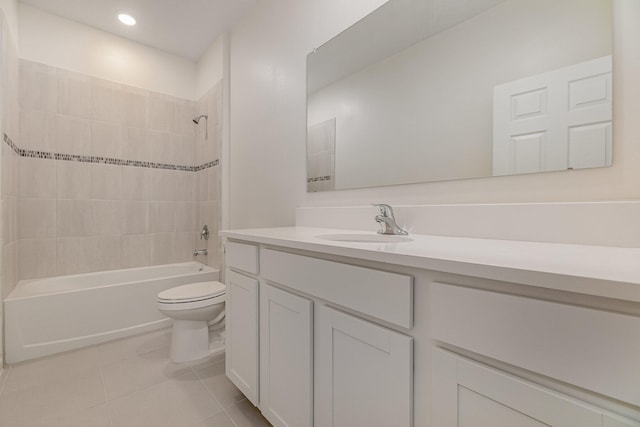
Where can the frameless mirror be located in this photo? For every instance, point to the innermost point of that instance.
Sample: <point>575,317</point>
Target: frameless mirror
<point>432,90</point>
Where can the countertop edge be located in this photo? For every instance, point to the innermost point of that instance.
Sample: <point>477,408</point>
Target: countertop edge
<point>301,238</point>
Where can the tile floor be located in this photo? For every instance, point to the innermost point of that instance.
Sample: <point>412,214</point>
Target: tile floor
<point>129,382</point>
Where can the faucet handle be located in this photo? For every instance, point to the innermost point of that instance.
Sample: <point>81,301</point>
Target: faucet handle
<point>385,210</point>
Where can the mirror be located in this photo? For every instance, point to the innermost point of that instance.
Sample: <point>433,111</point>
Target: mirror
<point>432,90</point>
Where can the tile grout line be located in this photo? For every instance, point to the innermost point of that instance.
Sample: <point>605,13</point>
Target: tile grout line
<point>224,410</point>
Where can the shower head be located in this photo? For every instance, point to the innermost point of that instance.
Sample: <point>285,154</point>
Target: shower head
<point>197,119</point>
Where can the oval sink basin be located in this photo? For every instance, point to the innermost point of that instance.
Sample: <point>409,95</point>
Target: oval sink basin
<point>365,238</point>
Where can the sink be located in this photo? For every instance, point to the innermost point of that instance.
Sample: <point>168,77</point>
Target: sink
<point>365,238</point>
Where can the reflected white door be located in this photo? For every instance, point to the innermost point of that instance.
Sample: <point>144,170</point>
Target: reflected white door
<point>554,121</point>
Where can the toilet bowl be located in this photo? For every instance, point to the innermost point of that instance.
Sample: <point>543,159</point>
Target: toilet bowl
<point>192,307</point>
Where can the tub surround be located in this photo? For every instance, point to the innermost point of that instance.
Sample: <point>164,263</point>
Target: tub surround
<point>112,176</point>
<point>449,326</point>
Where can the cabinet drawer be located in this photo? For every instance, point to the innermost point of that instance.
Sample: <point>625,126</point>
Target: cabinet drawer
<point>386,296</point>
<point>242,256</point>
<point>589,348</point>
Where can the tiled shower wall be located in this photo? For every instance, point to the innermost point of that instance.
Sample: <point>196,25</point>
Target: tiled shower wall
<point>208,146</point>
<point>108,175</point>
<point>9,165</point>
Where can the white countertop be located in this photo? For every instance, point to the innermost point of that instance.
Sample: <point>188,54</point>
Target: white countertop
<point>604,271</point>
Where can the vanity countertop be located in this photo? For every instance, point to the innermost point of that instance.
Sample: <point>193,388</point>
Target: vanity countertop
<point>604,271</point>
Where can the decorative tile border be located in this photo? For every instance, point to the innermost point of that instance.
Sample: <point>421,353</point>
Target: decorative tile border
<point>104,160</point>
<point>319,178</point>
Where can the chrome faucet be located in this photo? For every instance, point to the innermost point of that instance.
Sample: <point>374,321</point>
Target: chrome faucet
<point>387,221</point>
<point>200,252</point>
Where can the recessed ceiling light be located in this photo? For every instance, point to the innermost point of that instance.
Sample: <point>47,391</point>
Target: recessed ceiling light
<point>127,19</point>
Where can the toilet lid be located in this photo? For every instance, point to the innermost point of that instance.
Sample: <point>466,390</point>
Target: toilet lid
<point>192,292</point>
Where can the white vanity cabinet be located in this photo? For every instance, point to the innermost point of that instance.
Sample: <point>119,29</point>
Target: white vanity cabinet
<point>436,332</point>
<point>594,349</point>
<point>286,357</point>
<point>364,373</point>
<point>242,318</point>
<point>323,360</point>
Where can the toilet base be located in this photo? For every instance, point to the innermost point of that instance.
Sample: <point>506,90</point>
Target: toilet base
<point>189,340</point>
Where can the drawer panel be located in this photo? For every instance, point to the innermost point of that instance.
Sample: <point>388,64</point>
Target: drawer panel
<point>387,296</point>
<point>242,256</point>
<point>589,348</point>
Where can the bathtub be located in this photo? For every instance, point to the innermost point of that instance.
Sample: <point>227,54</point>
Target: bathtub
<point>52,315</point>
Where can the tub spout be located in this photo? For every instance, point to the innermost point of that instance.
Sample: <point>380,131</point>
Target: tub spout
<point>200,252</point>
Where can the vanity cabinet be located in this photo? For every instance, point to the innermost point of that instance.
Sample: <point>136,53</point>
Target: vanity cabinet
<point>325,358</point>
<point>363,371</point>
<point>385,336</point>
<point>286,357</point>
<point>586,347</point>
<point>242,318</point>
<point>469,394</point>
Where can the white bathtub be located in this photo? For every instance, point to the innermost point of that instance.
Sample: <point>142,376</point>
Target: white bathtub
<point>51,315</point>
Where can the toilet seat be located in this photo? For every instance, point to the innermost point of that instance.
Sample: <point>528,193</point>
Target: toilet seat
<point>193,292</point>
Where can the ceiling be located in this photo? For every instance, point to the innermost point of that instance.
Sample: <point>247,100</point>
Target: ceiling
<point>181,27</point>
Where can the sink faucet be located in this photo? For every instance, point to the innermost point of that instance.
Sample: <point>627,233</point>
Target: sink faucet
<point>387,221</point>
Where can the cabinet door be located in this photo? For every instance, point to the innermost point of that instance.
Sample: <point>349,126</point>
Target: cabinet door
<point>363,373</point>
<point>286,370</point>
<point>242,333</point>
<point>467,394</point>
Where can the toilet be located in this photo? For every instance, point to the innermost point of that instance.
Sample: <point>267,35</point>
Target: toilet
<point>192,307</point>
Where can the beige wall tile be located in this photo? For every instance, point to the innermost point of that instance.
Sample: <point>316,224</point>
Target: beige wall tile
<point>72,135</point>
<point>135,144</point>
<point>135,107</point>
<point>108,253</point>
<point>135,217</point>
<point>10,267</point>
<point>73,180</point>
<point>135,183</point>
<point>107,217</point>
<point>161,185</point>
<point>161,112</point>
<point>37,218</point>
<point>186,216</point>
<point>136,250</point>
<point>161,217</point>
<point>185,186</point>
<point>185,111</point>
<point>37,258</point>
<point>106,181</point>
<point>161,251</point>
<point>203,185</point>
<point>75,255</point>
<point>75,218</point>
<point>106,101</point>
<point>74,94</point>
<point>37,178</point>
<point>106,140</point>
<point>182,247</point>
<point>186,153</point>
<point>162,147</point>
<point>38,86</point>
<point>36,130</point>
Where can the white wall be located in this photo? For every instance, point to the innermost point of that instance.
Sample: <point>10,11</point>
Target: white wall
<point>66,44</point>
<point>210,67</point>
<point>268,123</point>
<point>268,103</point>
<point>426,114</point>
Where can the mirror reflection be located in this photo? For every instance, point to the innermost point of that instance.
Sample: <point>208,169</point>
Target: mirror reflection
<point>431,90</point>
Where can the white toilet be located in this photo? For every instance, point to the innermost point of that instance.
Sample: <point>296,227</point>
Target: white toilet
<point>192,307</point>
